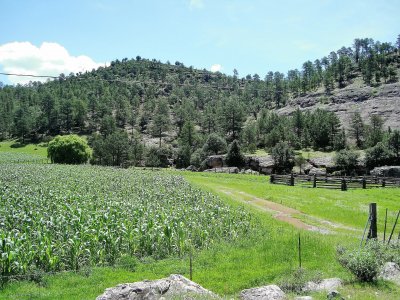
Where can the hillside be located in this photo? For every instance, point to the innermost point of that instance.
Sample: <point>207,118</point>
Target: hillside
<point>144,103</point>
<point>383,100</point>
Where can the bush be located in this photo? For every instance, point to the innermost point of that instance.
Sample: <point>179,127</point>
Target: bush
<point>365,263</point>
<point>362,263</point>
<point>295,281</point>
<point>346,160</point>
<point>235,158</point>
<point>214,144</point>
<point>283,156</point>
<point>377,156</point>
<point>68,149</point>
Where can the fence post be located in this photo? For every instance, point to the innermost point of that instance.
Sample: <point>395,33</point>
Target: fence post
<point>291,179</point>
<point>372,234</point>
<point>344,185</point>
<point>314,181</point>
<point>364,183</point>
<point>272,178</point>
<point>383,182</point>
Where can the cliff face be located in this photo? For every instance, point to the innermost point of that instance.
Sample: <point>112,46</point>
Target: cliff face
<point>383,100</point>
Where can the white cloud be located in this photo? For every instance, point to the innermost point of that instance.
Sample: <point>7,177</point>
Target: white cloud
<point>48,59</point>
<point>216,68</point>
<point>196,4</point>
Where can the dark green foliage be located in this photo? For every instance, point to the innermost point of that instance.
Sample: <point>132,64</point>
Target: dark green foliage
<point>377,156</point>
<point>347,161</point>
<point>183,157</point>
<point>394,144</point>
<point>68,149</point>
<point>197,158</point>
<point>365,263</point>
<point>235,158</point>
<point>283,156</point>
<point>357,129</point>
<point>111,150</point>
<point>362,263</point>
<point>158,157</point>
<point>374,131</point>
<point>214,144</point>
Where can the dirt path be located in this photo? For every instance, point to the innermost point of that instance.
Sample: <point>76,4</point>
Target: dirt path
<point>286,214</point>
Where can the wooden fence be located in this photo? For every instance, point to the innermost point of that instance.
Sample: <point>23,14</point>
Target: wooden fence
<point>335,182</point>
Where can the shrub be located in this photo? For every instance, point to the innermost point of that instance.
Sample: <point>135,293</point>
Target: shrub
<point>235,158</point>
<point>214,144</point>
<point>377,156</point>
<point>365,263</point>
<point>362,263</point>
<point>283,156</point>
<point>68,149</point>
<point>346,160</point>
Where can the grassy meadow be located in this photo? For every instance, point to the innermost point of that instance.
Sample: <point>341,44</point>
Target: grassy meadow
<point>142,225</point>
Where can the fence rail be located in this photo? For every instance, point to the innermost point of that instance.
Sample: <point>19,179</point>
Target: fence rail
<point>335,182</point>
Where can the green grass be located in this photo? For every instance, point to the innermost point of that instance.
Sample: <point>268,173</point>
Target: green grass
<point>16,147</point>
<point>267,255</point>
<point>349,208</point>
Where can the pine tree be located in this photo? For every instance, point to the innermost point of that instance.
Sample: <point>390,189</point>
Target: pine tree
<point>235,158</point>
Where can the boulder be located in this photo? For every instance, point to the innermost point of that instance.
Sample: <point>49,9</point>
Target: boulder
<point>387,171</point>
<point>390,271</point>
<point>317,171</point>
<point>230,170</point>
<point>175,286</point>
<point>334,294</point>
<point>191,168</point>
<point>303,298</point>
<point>214,161</point>
<point>322,162</point>
<point>269,292</point>
<point>329,284</point>
<point>262,164</point>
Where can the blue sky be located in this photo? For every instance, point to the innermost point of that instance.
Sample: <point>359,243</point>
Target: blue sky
<point>47,36</point>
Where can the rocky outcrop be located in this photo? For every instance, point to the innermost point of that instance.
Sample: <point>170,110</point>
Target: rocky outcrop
<point>214,161</point>
<point>386,171</point>
<point>317,171</point>
<point>262,164</point>
<point>269,292</point>
<point>228,170</point>
<point>383,101</point>
<point>173,287</point>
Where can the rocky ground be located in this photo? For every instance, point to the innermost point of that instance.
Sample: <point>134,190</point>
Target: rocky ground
<point>383,100</point>
<point>179,287</point>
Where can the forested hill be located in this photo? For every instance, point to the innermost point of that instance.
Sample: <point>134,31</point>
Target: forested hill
<point>154,100</point>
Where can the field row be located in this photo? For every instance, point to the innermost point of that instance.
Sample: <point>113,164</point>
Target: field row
<point>63,217</point>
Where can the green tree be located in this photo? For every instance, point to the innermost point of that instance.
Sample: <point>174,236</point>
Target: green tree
<point>68,149</point>
<point>161,121</point>
<point>375,131</point>
<point>377,156</point>
<point>235,158</point>
<point>214,144</point>
<point>394,144</point>
<point>346,160</point>
<point>357,129</point>
<point>283,156</point>
<point>233,116</point>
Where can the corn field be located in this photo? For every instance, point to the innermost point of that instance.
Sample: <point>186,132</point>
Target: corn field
<point>55,217</point>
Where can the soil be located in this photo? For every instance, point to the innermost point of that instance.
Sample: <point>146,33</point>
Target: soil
<point>287,214</point>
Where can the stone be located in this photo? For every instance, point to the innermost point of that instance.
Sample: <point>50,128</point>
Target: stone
<point>191,168</point>
<point>387,171</point>
<point>167,288</point>
<point>215,161</point>
<point>269,292</point>
<point>304,298</point>
<point>329,284</point>
<point>263,164</point>
<point>317,171</point>
<point>334,294</point>
<point>391,272</point>
<point>229,170</point>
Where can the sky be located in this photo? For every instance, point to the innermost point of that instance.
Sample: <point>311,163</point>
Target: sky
<point>47,37</point>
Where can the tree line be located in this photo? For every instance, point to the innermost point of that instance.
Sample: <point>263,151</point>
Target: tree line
<point>123,105</point>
